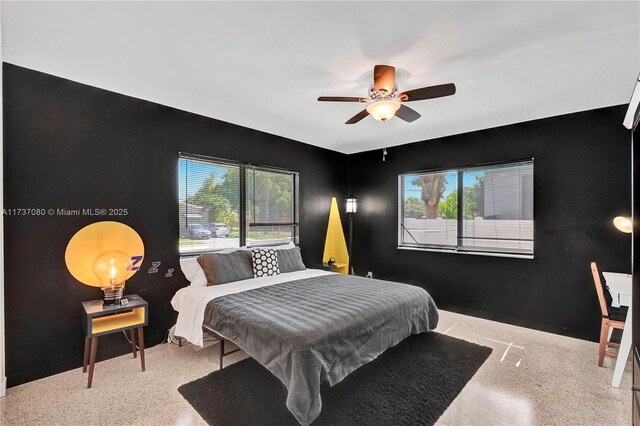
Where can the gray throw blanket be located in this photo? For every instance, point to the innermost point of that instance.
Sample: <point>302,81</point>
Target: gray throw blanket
<point>320,329</point>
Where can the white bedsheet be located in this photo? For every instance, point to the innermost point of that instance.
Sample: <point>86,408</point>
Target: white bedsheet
<point>190,302</point>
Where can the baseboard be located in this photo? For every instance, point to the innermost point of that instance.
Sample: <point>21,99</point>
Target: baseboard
<point>535,325</point>
<point>75,362</point>
<point>3,387</point>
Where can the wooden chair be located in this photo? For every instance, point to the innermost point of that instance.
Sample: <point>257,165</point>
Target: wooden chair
<point>611,318</point>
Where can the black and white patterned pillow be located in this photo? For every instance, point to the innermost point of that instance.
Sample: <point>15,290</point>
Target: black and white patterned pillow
<point>265,263</point>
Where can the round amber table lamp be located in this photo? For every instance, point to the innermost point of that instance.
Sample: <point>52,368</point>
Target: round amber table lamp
<point>105,254</point>
<point>112,268</point>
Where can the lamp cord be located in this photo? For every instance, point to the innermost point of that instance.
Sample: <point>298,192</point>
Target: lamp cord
<point>127,337</point>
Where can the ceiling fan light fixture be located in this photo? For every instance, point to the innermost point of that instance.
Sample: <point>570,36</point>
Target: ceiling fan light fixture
<point>386,102</point>
<point>384,109</point>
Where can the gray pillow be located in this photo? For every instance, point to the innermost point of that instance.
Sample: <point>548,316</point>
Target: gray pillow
<point>220,268</point>
<point>290,260</point>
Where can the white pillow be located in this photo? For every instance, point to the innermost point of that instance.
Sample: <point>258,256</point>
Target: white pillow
<point>288,246</point>
<point>232,249</point>
<point>285,247</point>
<point>193,272</point>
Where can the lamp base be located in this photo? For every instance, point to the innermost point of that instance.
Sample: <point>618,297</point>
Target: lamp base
<point>112,295</point>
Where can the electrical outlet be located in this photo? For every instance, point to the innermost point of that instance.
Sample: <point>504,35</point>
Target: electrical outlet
<point>369,274</point>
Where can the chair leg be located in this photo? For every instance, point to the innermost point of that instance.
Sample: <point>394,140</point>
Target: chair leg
<point>604,331</point>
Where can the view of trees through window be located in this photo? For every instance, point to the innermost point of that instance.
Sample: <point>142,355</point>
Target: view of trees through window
<point>270,206</point>
<point>210,205</point>
<point>496,204</point>
<point>441,206</point>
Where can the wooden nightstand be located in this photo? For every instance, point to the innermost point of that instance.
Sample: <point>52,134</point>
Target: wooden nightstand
<point>99,320</point>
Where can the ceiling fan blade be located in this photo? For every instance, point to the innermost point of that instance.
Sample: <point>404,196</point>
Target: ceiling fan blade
<point>359,116</point>
<point>428,92</point>
<point>341,99</point>
<point>407,114</point>
<point>384,76</point>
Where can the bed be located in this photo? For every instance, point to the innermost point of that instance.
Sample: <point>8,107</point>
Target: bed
<point>306,327</point>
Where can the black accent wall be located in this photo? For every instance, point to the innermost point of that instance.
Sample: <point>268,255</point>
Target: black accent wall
<point>581,182</point>
<point>72,146</point>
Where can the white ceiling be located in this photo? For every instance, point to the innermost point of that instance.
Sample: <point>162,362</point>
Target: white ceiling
<point>262,65</point>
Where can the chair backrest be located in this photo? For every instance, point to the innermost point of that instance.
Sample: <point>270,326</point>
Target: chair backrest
<point>599,289</point>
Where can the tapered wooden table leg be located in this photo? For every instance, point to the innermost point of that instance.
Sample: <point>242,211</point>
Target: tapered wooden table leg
<point>92,360</point>
<point>85,358</point>
<point>141,345</point>
<point>132,332</point>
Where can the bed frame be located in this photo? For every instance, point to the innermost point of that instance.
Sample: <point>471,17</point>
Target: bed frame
<point>222,353</point>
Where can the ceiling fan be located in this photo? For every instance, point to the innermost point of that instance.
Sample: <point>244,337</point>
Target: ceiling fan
<point>385,101</point>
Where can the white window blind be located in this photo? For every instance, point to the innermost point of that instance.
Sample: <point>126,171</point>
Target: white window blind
<point>498,206</point>
<point>271,209</point>
<point>487,209</point>
<point>209,199</point>
<point>225,205</point>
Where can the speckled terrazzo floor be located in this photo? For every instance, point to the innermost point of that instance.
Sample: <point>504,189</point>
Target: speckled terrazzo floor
<point>553,380</point>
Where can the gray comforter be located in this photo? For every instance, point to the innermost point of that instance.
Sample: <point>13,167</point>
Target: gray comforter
<point>320,329</point>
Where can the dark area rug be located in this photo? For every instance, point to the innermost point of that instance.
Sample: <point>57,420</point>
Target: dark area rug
<point>412,383</point>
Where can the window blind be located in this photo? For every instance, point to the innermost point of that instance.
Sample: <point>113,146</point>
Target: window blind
<point>209,203</point>
<point>498,206</point>
<point>271,211</point>
<point>474,209</point>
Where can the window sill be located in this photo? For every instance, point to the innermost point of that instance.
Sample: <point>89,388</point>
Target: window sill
<point>474,253</point>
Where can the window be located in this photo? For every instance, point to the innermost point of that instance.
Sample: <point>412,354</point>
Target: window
<point>225,205</point>
<point>271,211</point>
<point>496,202</point>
